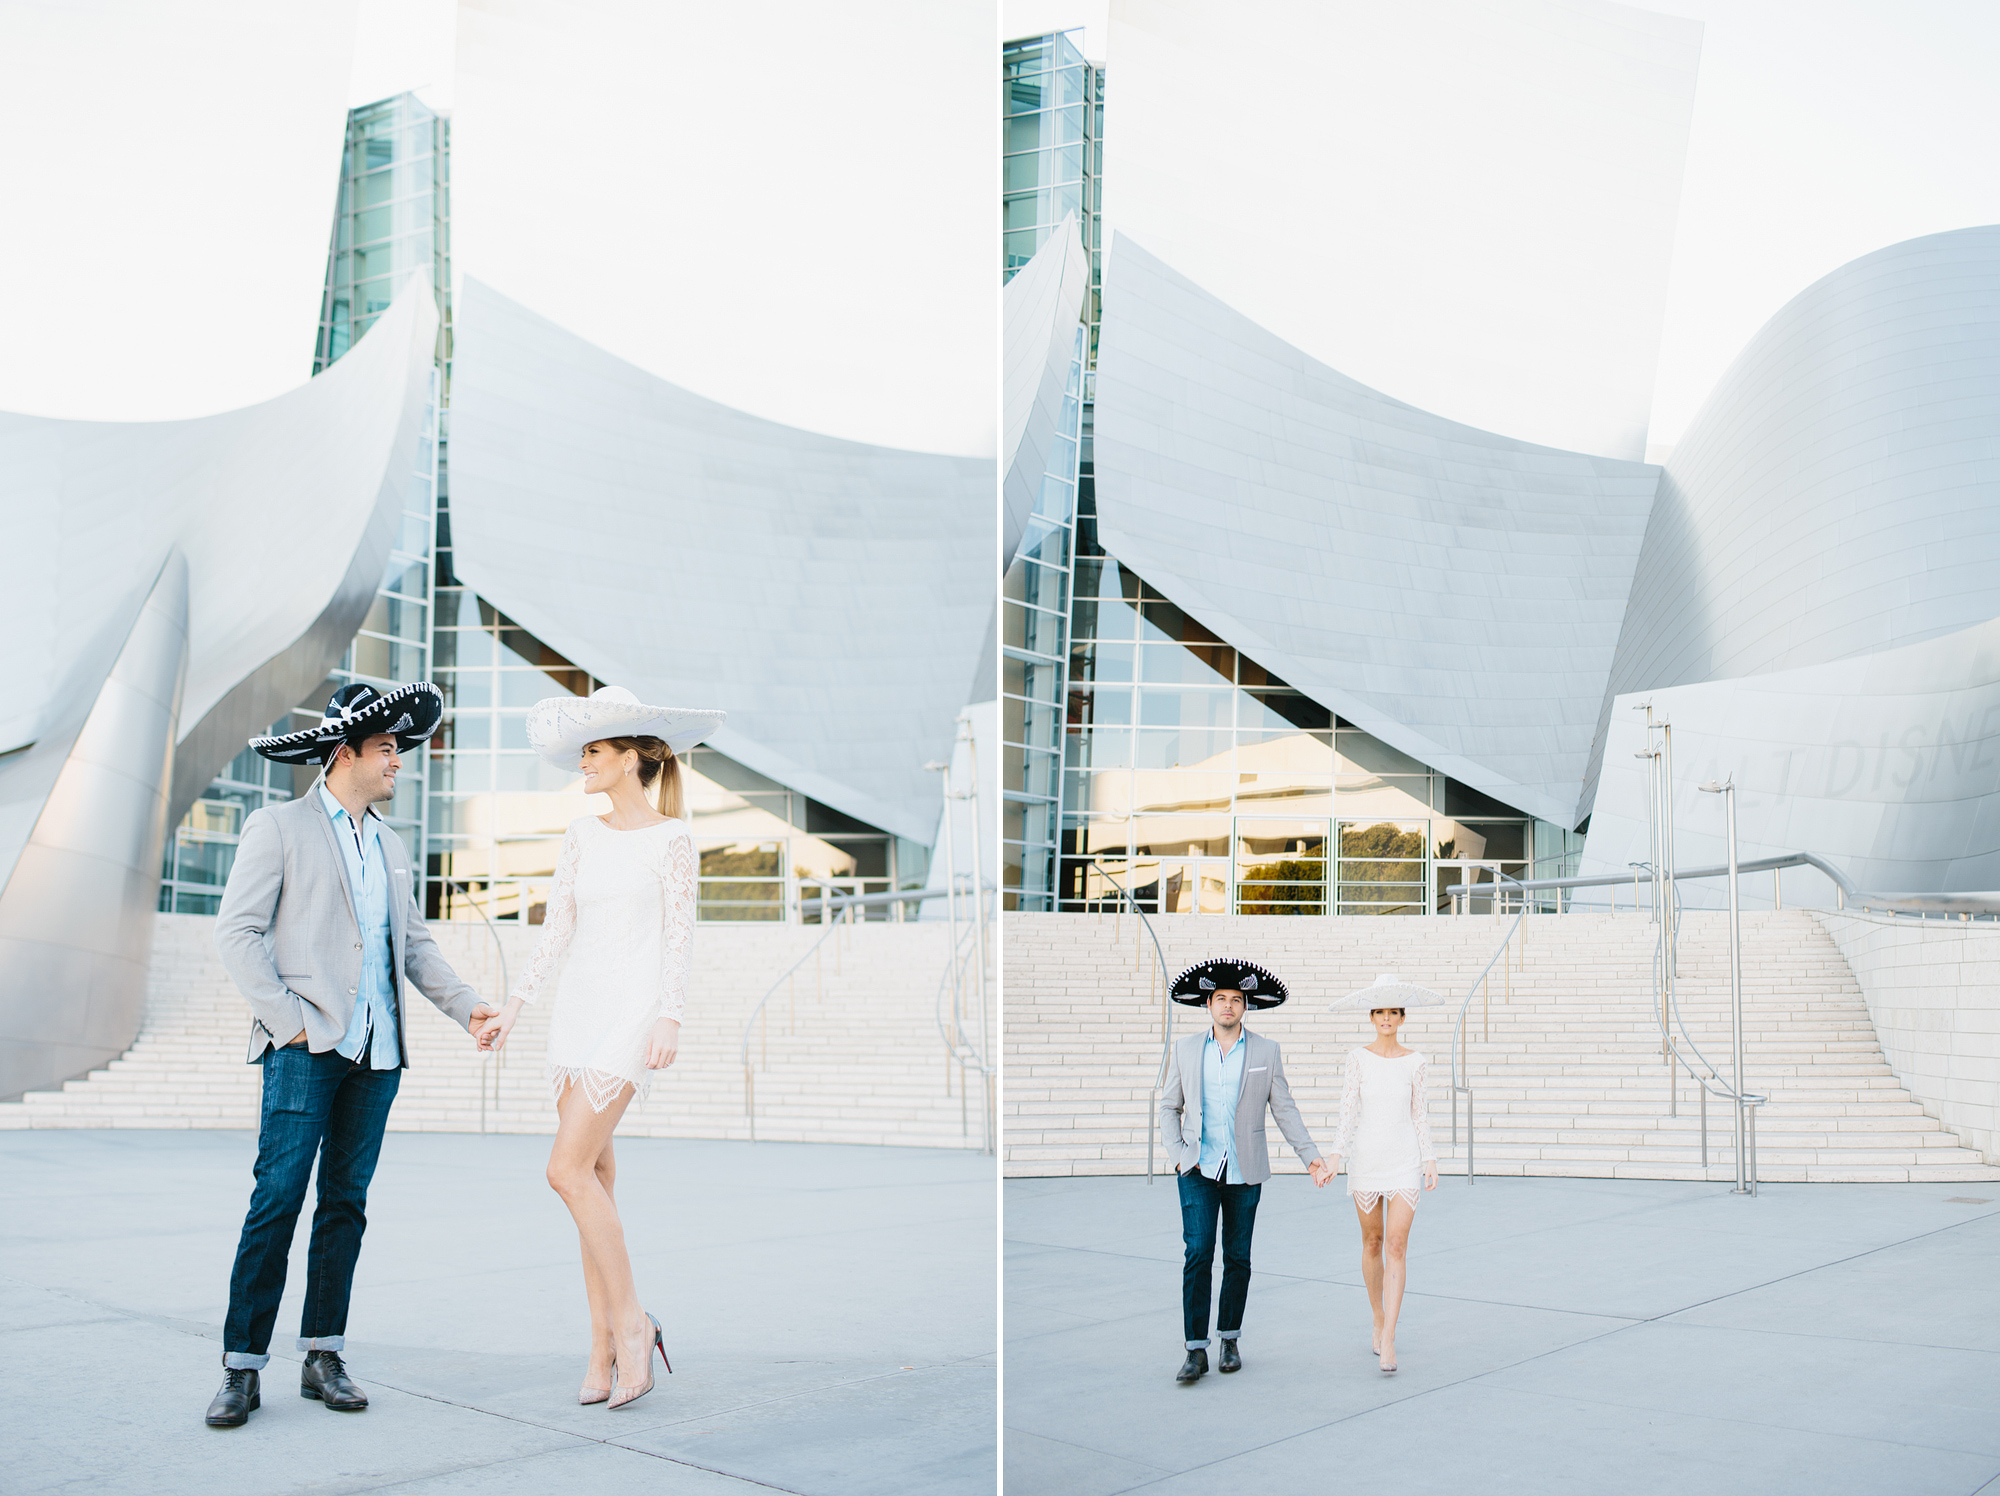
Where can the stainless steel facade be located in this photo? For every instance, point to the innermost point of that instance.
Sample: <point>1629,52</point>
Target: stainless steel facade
<point>195,578</point>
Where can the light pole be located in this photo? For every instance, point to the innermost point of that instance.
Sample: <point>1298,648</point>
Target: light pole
<point>1727,790</point>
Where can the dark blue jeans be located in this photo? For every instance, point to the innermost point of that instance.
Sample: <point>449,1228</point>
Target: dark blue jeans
<point>1202,1201</point>
<point>314,1104</point>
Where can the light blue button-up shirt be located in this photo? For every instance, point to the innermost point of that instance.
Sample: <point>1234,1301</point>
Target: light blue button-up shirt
<point>368,876</point>
<point>1221,1084</point>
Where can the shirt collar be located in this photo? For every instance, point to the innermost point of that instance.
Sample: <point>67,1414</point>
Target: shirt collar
<point>337,812</point>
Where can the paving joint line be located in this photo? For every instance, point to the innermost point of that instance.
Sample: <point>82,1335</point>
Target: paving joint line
<point>1527,1360</point>
<point>194,1330</point>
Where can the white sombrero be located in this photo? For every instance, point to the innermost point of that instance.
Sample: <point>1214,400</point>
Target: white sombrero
<point>560,726</point>
<point>1389,991</point>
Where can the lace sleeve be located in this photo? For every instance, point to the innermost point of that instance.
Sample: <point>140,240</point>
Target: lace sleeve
<point>1420,1109</point>
<point>1350,1107</point>
<point>677,947</point>
<point>558,925</point>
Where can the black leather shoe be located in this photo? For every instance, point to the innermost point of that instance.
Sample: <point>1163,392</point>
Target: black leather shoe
<point>1194,1368</point>
<point>1231,1360</point>
<point>325,1378</point>
<point>236,1401</point>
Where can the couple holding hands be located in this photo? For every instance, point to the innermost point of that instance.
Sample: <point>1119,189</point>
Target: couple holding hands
<point>320,927</point>
<point>1220,1084</point>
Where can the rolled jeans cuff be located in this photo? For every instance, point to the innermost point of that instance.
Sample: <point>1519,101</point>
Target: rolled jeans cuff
<point>323,1343</point>
<point>244,1361</point>
<point>1197,1345</point>
<point>1228,1334</point>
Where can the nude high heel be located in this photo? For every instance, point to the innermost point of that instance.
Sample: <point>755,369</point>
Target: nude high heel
<point>659,1344</point>
<point>586,1395</point>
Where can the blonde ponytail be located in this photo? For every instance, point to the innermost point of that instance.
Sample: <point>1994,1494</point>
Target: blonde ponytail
<point>657,762</point>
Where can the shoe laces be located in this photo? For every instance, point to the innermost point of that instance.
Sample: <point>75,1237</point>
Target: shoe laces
<point>236,1378</point>
<point>329,1361</point>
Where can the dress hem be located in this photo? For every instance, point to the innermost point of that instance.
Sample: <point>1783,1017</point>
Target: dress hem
<point>600,1087</point>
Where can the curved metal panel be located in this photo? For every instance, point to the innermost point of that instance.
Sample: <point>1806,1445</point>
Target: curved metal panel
<point>76,916</point>
<point>1456,593</point>
<point>1470,204</point>
<point>1039,309</point>
<point>831,597</point>
<point>1886,764</point>
<point>1839,493</point>
<point>273,524</point>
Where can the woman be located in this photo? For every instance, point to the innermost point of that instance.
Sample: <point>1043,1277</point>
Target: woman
<point>620,928</point>
<point>1385,1136</point>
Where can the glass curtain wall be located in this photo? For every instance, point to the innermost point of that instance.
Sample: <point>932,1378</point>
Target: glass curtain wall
<point>1053,139</point>
<point>391,222</point>
<point>1052,168</point>
<point>1206,785</point>
<point>1035,607</point>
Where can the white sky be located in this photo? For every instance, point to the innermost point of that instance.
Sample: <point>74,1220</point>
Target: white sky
<point>792,208</point>
<point>169,173</point>
<point>1823,129</point>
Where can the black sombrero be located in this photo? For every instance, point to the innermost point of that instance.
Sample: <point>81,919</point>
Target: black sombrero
<point>356,713</point>
<point>1259,988</point>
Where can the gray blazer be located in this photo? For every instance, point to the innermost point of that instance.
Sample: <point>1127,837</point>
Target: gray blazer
<point>1263,1086</point>
<point>291,940</point>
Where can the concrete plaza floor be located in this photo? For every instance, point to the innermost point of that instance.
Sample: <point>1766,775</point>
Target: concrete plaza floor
<point>1560,1336</point>
<point>829,1311</point>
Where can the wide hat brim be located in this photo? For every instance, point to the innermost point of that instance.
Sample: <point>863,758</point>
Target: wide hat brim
<point>411,713</point>
<point>1387,991</point>
<point>560,727</point>
<point>1259,987</point>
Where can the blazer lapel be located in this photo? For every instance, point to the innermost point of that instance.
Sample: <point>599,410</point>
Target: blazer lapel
<point>339,856</point>
<point>1192,1075</point>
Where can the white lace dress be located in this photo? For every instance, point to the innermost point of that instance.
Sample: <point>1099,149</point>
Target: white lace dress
<point>1385,1126</point>
<point>615,946</point>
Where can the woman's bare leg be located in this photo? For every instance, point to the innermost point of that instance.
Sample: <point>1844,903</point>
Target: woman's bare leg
<point>598,1373</point>
<point>1371,1262</point>
<point>1395,1248</point>
<point>581,1170</point>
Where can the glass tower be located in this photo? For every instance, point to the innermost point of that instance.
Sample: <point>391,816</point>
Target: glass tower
<point>391,222</point>
<point>1189,774</point>
<point>1054,116</point>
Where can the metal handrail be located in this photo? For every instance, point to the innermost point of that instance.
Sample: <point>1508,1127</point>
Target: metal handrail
<point>1458,1086</point>
<point>501,950</point>
<point>1166,1015</point>
<point>834,904</point>
<point>1982,902</point>
<point>958,1047</point>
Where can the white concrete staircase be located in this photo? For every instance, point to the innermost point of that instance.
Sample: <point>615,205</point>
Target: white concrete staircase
<point>853,1054</point>
<point>1571,1081</point>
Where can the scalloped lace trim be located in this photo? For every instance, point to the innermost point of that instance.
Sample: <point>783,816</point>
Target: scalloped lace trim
<point>599,1089</point>
<point>1366,1199</point>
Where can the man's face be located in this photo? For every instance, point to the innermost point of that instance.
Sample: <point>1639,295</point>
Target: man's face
<point>1225,1006</point>
<point>370,770</point>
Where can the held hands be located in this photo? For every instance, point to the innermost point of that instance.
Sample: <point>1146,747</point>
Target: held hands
<point>1430,1176</point>
<point>492,1029</point>
<point>665,1043</point>
<point>1323,1170</point>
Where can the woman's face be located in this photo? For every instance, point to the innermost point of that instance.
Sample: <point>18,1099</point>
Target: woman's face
<point>1386,1021</point>
<point>604,766</point>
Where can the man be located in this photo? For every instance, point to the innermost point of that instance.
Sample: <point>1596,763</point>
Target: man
<point>1212,1121</point>
<point>318,927</point>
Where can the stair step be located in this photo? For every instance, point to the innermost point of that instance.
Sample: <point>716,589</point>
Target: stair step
<point>1561,1054</point>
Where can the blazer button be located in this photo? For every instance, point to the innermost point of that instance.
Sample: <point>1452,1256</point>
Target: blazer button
<point>351,991</point>
<point>357,945</point>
